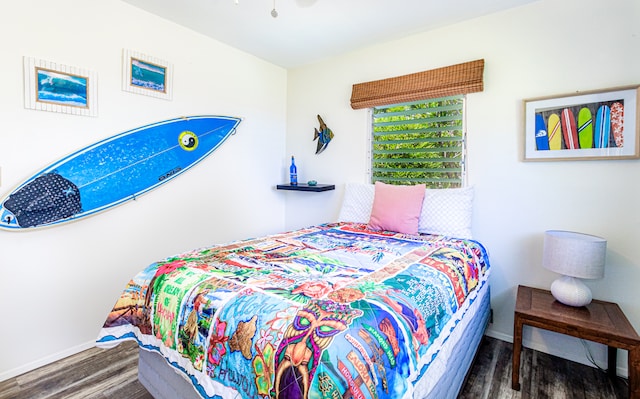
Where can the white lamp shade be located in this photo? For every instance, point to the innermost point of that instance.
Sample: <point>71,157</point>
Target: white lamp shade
<point>574,254</point>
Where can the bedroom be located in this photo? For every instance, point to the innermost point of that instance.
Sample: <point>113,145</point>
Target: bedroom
<point>58,284</point>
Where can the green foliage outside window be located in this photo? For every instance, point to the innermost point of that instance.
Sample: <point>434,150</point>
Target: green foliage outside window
<point>419,142</point>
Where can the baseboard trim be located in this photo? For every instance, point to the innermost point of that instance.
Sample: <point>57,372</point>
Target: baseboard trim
<point>499,335</point>
<point>5,375</point>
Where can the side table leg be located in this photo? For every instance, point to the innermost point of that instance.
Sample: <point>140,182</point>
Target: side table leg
<point>634,373</point>
<point>517,348</point>
<point>612,362</point>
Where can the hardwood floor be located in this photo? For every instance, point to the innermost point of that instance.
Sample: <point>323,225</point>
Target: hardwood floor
<point>112,373</point>
<point>541,376</point>
<point>92,374</point>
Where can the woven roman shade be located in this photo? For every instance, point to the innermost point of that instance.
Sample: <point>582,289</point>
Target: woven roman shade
<point>441,82</point>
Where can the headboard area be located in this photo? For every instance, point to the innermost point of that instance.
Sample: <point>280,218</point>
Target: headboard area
<point>443,211</point>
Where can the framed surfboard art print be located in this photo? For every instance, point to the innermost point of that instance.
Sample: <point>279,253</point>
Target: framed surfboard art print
<point>584,126</point>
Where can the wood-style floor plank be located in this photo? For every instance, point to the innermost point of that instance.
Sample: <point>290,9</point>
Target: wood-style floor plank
<point>113,374</point>
<point>542,376</point>
<point>92,374</point>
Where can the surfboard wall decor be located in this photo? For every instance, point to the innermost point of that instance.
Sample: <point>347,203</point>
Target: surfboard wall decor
<point>113,171</point>
<point>599,124</point>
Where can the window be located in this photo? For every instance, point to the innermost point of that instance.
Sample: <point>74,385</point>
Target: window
<point>419,142</point>
<point>416,140</point>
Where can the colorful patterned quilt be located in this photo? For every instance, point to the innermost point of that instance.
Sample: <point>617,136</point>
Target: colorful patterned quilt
<point>321,312</point>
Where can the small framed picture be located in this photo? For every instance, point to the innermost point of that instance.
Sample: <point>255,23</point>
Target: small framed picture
<point>49,86</point>
<point>143,74</point>
<point>586,126</point>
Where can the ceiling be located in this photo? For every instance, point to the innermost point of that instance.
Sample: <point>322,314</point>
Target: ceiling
<point>307,31</point>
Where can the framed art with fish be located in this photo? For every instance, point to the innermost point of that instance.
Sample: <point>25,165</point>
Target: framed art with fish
<point>583,126</point>
<point>143,74</point>
<point>49,86</point>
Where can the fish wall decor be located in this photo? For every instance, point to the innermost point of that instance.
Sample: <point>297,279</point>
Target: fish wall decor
<point>324,136</point>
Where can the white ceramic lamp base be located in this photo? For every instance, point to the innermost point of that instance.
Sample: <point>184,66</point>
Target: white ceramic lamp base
<point>571,291</point>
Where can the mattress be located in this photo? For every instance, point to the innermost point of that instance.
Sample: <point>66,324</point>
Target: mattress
<point>320,312</point>
<point>454,360</point>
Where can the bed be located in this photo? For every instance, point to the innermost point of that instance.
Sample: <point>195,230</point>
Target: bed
<point>336,310</point>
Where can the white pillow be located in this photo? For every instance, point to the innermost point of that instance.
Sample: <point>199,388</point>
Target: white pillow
<point>444,211</point>
<point>447,212</point>
<point>357,203</point>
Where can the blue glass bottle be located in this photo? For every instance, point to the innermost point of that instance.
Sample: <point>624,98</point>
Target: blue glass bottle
<point>293,173</point>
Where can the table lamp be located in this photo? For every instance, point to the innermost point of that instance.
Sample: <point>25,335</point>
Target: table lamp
<point>575,256</point>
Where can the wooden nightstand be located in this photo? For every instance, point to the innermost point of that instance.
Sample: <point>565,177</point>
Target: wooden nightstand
<point>599,321</point>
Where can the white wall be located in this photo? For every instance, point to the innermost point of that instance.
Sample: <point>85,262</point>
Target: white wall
<point>544,48</point>
<point>58,284</point>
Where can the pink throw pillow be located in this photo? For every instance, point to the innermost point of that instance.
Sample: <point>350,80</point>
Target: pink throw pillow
<point>397,208</point>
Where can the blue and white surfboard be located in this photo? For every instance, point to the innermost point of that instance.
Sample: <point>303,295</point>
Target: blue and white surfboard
<point>603,127</point>
<point>542,137</point>
<point>113,171</point>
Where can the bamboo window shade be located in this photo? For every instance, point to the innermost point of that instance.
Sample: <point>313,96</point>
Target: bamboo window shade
<point>441,82</point>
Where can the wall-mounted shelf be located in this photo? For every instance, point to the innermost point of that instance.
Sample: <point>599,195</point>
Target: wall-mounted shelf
<point>306,187</point>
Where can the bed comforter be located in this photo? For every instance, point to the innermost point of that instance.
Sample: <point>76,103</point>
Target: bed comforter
<point>313,313</point>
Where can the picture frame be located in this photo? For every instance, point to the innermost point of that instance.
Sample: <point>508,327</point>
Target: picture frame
<point>146,75</point>
<point>49,86</point>
<point>594,125</point>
